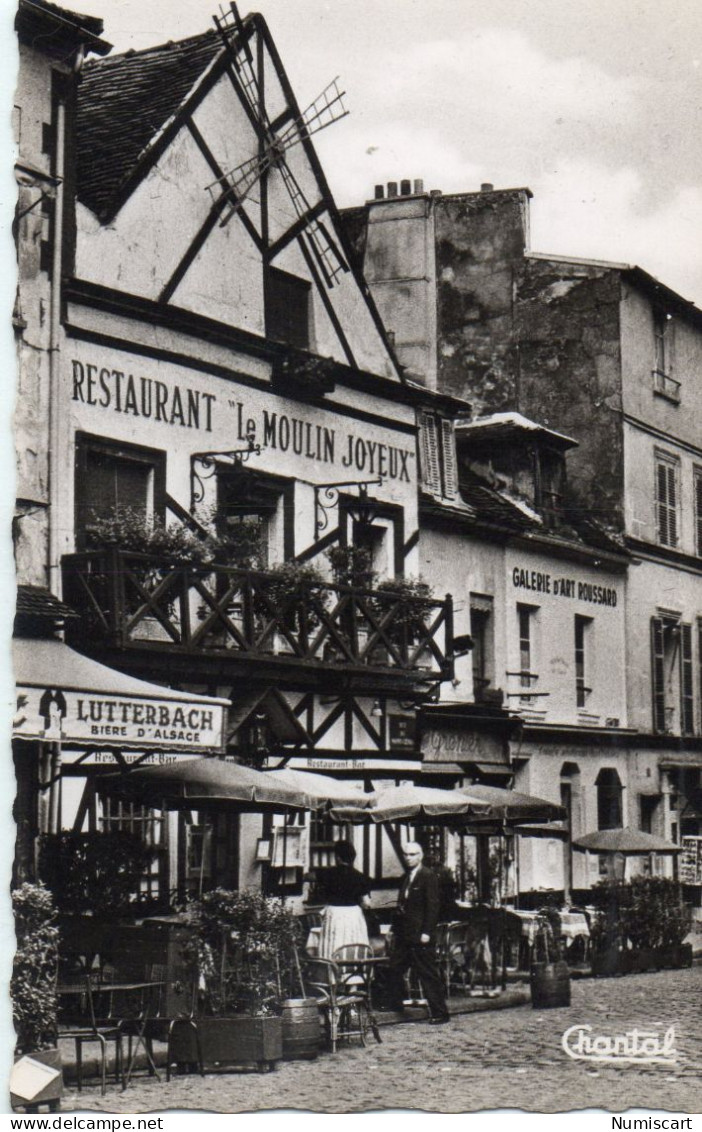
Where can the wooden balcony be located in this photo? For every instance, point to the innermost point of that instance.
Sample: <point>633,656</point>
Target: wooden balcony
<point>209,619</point>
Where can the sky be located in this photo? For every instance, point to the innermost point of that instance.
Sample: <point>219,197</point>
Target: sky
<point>592,104</point>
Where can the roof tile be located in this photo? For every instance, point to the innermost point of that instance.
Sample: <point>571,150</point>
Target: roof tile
<point>123,102</point>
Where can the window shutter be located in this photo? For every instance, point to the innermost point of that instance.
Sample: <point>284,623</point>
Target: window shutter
<point>687,705</point>
<point>448,445</point>
<point>698,510</point>
<point>667,503</point>
<point>658,674</point>
<point>431,472</point>
<point>672,507</point>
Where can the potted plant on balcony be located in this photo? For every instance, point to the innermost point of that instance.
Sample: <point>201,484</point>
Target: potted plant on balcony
<point>410,601</point>
<point>351,566</point>
<point>153,549</point>
<point>243,956</point>
<point>291,593</point>
<point>33,988</point>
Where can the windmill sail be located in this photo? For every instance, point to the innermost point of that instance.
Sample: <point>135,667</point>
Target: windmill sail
<point>236,184</point>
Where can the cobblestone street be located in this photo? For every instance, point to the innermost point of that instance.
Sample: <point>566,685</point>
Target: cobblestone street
<point>503,1059</point>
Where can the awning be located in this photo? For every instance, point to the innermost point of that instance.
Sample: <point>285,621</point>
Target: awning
<point>63,695</point>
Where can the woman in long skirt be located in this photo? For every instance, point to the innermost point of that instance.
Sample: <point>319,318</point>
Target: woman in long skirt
<point>346,891</point>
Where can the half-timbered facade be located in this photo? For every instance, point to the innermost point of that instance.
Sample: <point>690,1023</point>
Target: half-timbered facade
<point>223,373</point>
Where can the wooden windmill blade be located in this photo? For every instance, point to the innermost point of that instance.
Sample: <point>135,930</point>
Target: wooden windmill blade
<point>326,251</point>
<point>236,184</point>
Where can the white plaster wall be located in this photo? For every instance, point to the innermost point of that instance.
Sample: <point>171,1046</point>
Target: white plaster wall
<point>683,420</point>
<point>640,449</point>
<point>553,647</point>
<point>653,586</point>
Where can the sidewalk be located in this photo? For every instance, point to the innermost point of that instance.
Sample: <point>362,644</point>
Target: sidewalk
<point>517,994</point>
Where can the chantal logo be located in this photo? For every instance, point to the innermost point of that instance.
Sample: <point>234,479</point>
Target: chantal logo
<point>643,1047</point>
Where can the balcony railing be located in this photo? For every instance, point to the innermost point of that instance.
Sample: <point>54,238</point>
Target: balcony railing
<point>666,386</point>
<point>130,600</point>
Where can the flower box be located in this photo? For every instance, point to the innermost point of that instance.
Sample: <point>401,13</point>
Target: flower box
<point>237,1040</point>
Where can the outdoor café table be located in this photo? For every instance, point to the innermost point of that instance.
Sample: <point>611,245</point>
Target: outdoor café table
<point>364,968</point>
<point>145,996</point>
<point>529,923</point>
<point>574,926</point>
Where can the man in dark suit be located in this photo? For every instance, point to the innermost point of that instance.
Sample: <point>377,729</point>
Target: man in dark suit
<point>413,935</point>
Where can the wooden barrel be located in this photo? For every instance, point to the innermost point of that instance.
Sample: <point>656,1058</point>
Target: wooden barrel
<point>301,1030</point>
<point>550,985</point>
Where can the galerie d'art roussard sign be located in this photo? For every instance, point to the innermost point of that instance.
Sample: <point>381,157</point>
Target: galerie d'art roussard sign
<point>540,582</point>
<point>267,419</point>
<point>52,714</point>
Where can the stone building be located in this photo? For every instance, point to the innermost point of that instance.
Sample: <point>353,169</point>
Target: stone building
<point>603,353</point>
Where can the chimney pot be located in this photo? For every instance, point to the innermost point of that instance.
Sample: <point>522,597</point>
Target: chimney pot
<point>392,188</point>
<point>435,193</point>
<point>405,188</point>
<point>419,186</point>
<point>379,192</point>
<point>486,187</point>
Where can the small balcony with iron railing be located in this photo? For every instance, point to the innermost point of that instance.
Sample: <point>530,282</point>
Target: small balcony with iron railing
<point>207,619</point>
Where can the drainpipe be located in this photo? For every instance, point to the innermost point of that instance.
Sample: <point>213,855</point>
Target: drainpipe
<point>54,573</point>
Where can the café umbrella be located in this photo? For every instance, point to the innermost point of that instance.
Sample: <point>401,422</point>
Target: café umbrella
<point>629,842</point>
<point>409,803</point>
<point>511,807</point>
<point>205,784</point>
<point>322,789</point>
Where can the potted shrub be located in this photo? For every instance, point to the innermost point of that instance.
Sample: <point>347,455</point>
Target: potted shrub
<point>549,977</point>
<point>33,983</point>
<point>94,879</point>
<point>641,923</point>
<point>606,937</point>
<point>674,919</point>
<point>243,955</point>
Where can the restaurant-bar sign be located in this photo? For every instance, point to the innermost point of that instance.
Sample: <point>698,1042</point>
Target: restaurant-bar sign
<point>52,714</point>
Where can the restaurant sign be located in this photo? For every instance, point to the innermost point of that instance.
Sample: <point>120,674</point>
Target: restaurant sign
<point>52,714</point>
<point>448,744</point>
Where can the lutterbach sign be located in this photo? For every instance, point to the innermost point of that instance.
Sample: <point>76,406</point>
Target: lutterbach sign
<point>63,696</point>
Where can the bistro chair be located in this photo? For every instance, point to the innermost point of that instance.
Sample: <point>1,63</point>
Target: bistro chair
<point>359,979</point>
<point>345,1013</point>
<point>452,944</point>
<point>77,1022</point>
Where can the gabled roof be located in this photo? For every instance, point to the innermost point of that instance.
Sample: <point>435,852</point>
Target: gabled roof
<point>55,30</point>
<point>123,104</point>
<point>504,425</point>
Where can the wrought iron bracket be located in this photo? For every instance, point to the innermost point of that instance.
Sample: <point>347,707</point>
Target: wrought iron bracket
<point>203,466</point>
<point>326,497</point>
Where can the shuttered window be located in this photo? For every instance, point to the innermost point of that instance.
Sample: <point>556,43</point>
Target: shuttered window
<point>431,470</point>
<point>698,509</point>
<point>448,446</point>
<point>667,501</point>
<point>658,674</point>
<point>687,704</point>
<point>439,466</point>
